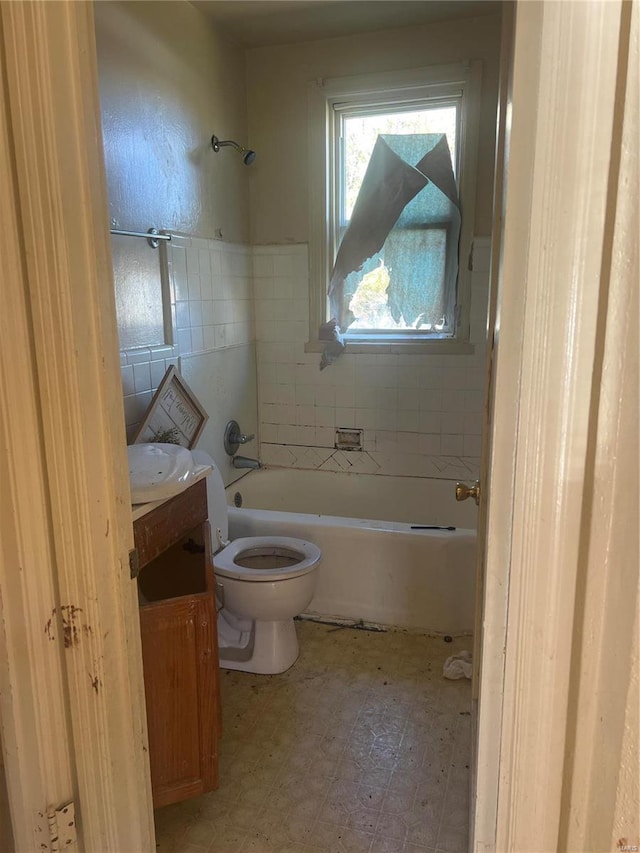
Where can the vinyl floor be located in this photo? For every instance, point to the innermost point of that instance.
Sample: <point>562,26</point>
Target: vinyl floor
<point>361,746</point>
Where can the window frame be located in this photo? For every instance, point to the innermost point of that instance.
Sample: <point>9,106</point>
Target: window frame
<point>459,80</point>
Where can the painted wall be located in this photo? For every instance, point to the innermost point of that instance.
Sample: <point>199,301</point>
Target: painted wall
<point>277,97</point>
<point>168,81</point>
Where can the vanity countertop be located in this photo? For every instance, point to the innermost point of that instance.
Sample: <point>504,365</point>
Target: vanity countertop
<point>139,510</point>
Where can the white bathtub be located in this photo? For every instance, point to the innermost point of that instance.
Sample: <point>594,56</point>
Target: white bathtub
<point>374,566</point>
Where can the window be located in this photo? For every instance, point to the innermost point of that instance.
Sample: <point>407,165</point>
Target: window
<point>405,293</point>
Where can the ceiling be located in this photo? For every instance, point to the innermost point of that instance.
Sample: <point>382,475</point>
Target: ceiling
<point>258,23</point>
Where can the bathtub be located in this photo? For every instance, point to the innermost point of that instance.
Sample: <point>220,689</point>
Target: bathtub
<point>374,566</point>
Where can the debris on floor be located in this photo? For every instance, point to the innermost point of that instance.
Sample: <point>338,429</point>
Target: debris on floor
<point>458,666</point>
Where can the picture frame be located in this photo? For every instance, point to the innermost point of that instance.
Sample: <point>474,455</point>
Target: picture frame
<point>174,416</point>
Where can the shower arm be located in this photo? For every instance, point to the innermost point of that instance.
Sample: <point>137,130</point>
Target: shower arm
<point>220,143</point>
<point>247,154</point>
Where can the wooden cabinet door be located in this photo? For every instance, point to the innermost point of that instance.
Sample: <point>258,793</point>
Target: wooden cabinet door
<point>180,675</point>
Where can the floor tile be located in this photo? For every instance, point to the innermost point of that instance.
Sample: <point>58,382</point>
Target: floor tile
<point>360,746</point>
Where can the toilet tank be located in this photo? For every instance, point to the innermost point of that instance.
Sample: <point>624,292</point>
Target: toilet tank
<point>216,501</point>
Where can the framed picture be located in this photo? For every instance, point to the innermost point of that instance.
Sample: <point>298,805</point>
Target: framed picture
<point>174,415</point>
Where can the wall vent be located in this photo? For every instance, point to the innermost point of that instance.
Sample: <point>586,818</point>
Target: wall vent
<point>348,439</point>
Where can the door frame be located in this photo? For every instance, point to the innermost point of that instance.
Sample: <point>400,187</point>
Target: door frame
<point>553,279</point>
<point>71,689</point>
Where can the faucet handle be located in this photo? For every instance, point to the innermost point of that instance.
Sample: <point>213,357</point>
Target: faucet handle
<point>234,437</point>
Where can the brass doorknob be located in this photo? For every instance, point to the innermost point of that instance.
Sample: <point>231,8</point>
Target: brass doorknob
<point>463,492</point>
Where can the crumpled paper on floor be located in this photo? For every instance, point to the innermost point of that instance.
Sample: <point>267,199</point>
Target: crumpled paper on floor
<point>458,666</point>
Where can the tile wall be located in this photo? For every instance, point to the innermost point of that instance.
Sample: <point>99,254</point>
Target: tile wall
<point>421,414</point>
<point>210,291</point>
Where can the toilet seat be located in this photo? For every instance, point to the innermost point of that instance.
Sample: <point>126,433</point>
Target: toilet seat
<point>306,554</point>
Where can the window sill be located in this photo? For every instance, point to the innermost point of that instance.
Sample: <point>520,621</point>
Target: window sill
<point>440,347</point>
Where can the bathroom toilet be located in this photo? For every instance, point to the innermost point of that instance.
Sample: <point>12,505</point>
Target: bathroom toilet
<point>262,582</point>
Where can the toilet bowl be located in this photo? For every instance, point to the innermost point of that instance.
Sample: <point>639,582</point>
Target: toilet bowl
<point>262,582</point>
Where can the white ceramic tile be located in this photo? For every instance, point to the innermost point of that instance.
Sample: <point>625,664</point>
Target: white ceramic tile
<point>220,335</point>
<point>286,374</point>
<point>193,286</point>
<point>207,312</point>
<point>182,315</point>
<point>137,356</point>
<point>430,444</point>
<point>206,287</point>
<point>184,341</point>
<point>305,395</point>
<point>344,396</point>
<point>215,265</point>
<point>276,454</point>
<point>473,466</point>
<point>410,376</point>
<point>453,401</point>
<point>209,337</point>
<point>475,378</point>
<point>309,457</point>
<point>345,418</point>
<point>430,422</point>
<point>128,386</point>
<point>197,339</point>
<point>454,378</point>
<point>288,434</point>
<point>262,265</point>
<point>325,395</point>
<point>305,416</point>
<point>408,420</point>
<point>452,423</point>
<point>408,399</point>
<point>193,263</point>
<point>325,436</point>
<point>432,378</point>
<point>195,312</point>
<point>268,433</point>
<point>387,398</point>
<point>204,263</point>
<point>282,265</point>
<point>431,401</point>
<point>451,445</point>
<point>472,445</point>
<point>158,370</point>
<point>325,416</point>
<point>226,264</point>
<point>142,377</point>
<point>178,263</point>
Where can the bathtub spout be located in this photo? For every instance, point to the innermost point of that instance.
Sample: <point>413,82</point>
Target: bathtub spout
<point>244,462</point>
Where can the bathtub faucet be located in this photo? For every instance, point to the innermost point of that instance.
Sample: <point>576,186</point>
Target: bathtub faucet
<point>244,462</point>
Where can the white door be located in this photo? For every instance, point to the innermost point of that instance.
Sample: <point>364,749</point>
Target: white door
<point>570,169</point>
<point>502,153</point>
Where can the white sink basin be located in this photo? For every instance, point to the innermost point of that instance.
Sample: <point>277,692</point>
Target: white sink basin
<point>158,471</point>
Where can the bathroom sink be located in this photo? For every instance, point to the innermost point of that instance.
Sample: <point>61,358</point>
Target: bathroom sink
<point>158,471</point>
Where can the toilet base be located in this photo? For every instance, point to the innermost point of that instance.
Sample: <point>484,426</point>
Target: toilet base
<point>267,648</point>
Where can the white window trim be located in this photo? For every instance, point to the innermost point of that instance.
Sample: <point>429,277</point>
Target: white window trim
<point>323,94</point>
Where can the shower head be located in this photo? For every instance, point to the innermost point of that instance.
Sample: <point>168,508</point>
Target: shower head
<point>248,156</point>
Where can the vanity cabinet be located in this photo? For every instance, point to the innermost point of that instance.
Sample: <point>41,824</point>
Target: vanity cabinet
<point>179,646</point>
